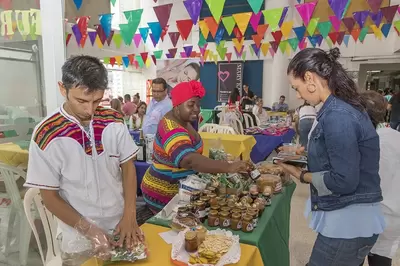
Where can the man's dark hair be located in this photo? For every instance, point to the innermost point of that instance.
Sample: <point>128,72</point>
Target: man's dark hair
<point>160,81</point>
<point>86,72</point>
<point>127,97</point>
<point>375,105</point>
<point>282,96</point>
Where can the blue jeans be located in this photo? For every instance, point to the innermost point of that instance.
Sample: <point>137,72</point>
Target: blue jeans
<point>340,252</point>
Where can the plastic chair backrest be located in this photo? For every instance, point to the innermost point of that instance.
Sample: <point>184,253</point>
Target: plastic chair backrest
<point>224,130</point>
<point>258,121</point>
<point>9,175</point>
<point>218,107</point>
<point>207,128</point>
<point>49,222</point>
<point>248,120</point>
<point>237,125</point>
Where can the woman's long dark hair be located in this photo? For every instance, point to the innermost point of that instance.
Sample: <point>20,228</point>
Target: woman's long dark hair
<point>326,66</point>
<point>233,97</point>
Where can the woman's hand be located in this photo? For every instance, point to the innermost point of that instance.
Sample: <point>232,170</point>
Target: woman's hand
<point>239,166</point>
<point>299,151</point>
<point>290,169</point>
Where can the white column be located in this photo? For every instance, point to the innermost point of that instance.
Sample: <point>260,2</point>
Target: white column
<point>53,41</point>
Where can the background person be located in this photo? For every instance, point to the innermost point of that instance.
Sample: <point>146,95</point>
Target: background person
<point>260,112</point>
<point>394,108</point>
<point>280,106</point>
<point>116,105</point>
<point>138,118</point>
<point>304,119</point>
<point>247,96</point>
<point>128,108</point>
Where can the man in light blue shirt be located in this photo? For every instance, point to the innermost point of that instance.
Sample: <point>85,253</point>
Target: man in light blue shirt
<point>158,107</point>
<point>280,106</point>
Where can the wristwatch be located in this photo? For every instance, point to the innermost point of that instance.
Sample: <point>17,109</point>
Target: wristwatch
<point>302,177</point>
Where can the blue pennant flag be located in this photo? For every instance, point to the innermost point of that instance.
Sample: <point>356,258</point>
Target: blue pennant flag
<point>144,32</point>
<point>299,31</point>
<point>156,30</point>
<point>125,59</point>
<point>346,40</point>
<point>105,22</point>
<point>386,28</point>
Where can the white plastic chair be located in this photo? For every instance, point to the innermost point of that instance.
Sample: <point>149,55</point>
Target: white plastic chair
<point>207,127</point>
<point>9,175</point>
<point>248,120</point>
<point>258,121</point>
<point>218,108</point>
<point>53,256</point>
<point>237,125</point>
<point>224,130</point>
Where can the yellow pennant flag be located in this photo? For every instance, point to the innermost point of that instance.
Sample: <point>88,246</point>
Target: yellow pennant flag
<point>286,28</point>
<point>148,62</point>
<point>210,55</point>
<point>265,48</point>
<point>206,55</point>
<point>204,28</point>
<point>238,45</point>
<point>377,31</point>
<point>118,60</point>
<point>216,59</point>
<point>242,21</point>
<point>98,42</point>
<point>288,50</point>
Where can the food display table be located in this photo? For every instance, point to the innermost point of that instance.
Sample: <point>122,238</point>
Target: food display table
<point>236,145</point>
<point>272,233</point>
<point>13,155</point>
<point>160,251</point>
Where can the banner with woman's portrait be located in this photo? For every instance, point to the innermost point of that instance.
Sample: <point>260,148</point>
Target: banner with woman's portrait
<point>178,70</point>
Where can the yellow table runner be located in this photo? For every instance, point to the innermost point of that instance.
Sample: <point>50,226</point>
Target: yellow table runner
<point>160,251</point>
<point>235,145</point>
<point>13,155</point>
<point>272,113</point>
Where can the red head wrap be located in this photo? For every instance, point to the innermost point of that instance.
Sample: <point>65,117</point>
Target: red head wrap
<point>185,91</point>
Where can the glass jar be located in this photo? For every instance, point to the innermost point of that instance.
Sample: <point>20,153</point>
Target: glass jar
<point>247,224</point>
<point>191,208</point>
<point>191,244</point>
<point>254,195</point>
<point>201,232</point>
<point>236,221</point>
<point>260,204</point>
<point>224,219</point>
<point>243,209</point>
<point>253,188</point>
<point>206,192</point>
<point>206,200</point>
<point>244,193</point>
<point>195,196</point>
<point>213,218</point>
<point>214,208</point>
<point>213,199</point>
<point>213,190</point>
<point>222,204</point>
<point>225,209</point>
<point>253,214</point>
<point>200,210</point>
<point>236,210</point>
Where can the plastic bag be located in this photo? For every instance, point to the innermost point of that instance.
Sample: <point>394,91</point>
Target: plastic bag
<point>217,151</point>
<point>189,184</point>
<point>139,252</point>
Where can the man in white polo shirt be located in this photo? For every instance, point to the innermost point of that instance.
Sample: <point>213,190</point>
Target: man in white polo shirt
<point>80,158</point>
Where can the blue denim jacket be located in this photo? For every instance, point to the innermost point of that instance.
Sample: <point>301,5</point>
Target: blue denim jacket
<point>343,157</point>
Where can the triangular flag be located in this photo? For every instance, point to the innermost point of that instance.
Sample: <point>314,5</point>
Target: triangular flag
<point>148,63</point>
<point>212,26</point>
<point>274,46</point>
<point>242,21</point>
<point>339,7</point>
<point>319,39</point>
<point>131,58</point>
<point>397,26</point>
<point>164,32</point>
<point>133,17</point>
<point>360,17</point>
<point>277,36</point>
<point>324,28</point>
<point>101,34</point>
<point>255,20</point>
<point>363,33</point>
<point>219,35</point>
<point>329,43</point>
<point>335,22</point>
<point>172,52</point>
<point>265,48</point>
<point>313,40</point>
<point>312,26</point>
<point>222,52</point>
<point>255,5</point>
<point>303,43</point>
<point>202,40</point>
<point>154,59</point>
<point>255,49</point>
<point>174,36</point>
<point>118,59</point>
<point>140,61</point>
<point>202,61</point>
<point>106,60</point>
<point>77,34</point>
<point>375,5</point>
<point>144,32</point>
<point>257,39</point>
<point>105,22</point>
<point>153,41</point>
<point>282,46</point>
<point>204,28</point>
<point>206,53</point>
<point>386,29</point>
<point>193,7</point>
<point>306,10</point>
<point>158,54</point>
<point>215,58</point>
<point>334,36</point>
<point>341,37</point>
<point>202,50</point>
<point>300,31</point>
<point>117,40</point>
<point>355,33</point>
<point>184,55</point>
<point>184,27</point>
<point>273,16</point>
<point>229,56</point>
<point>238,52</point>
<point>109,39</point>
<point>238,44</point>
<point>163,13</point>
<point>349,23</point>
<point>188,50</point>
<point>286,28</point>
<point>144,56</point>
<point>78,3</point>
<point>98,42</point>
<point>389,12</point>
<point>293,42</point>
<point>237,33</point>
<point>244,55</point>
<point>113,2</point>
<point>216,7</point>
<point>377,31</point>
<point>376,17</point>
<point>284,13</point>
<point>68,38</point>
<point>262,29</point>
<point>112,61</point>
<point>271,51</point>
<point>229,24</point>
<point>92,36</point>
<point>126,33</point>
<point>137,38</point>
<point>82,23</point>
<point>125,60</point>
<point>156,30</point>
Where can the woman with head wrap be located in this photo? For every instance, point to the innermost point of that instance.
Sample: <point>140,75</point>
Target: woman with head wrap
<point>178,149</point>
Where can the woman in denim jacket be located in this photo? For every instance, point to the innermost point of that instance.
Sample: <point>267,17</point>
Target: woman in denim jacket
<point>343,162</point>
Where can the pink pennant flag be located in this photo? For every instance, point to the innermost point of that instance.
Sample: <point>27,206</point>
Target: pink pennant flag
<point>306,10</point>
<point>375,5</point>
<point>255,20</point>
<point>183,55</point>
<point>202,60</point>
<point>271,51</point>
<point>303,44</point>
<point>229,56</point>
<point>137,38</point>
<point>335,22</point>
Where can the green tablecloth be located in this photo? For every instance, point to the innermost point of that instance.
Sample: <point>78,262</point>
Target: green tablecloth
<point>208,116</point>
<point>272,233</point>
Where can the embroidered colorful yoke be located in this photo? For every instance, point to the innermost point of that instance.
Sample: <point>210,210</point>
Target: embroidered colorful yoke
<point>161,181</point>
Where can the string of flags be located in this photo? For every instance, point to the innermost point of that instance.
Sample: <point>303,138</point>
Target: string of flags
<point>274,35</point>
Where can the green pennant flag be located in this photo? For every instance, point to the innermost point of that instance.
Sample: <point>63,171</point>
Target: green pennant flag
<point>397,25</point>
<point>229,23</point>
<point>202,40</point>
<point>283,45</point>
<point>139,59</point>
<point>312,26</point>
<point>222,52</point>
<point>113,2</point>
<point>251,50</point>
<point>273,16</point>
<point>244,55</point>
<point>216,7</point>
<point>329,42</point>
<point>117,38</point>
<point>294,42</point>
<point>324,28</point>
<point>134,17</point>
<point>255,5</point>
<point>158,54</point>
<point>126,33</point>
<point>33,32</point>
<point>363,34</point>
<point>106,60</point>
